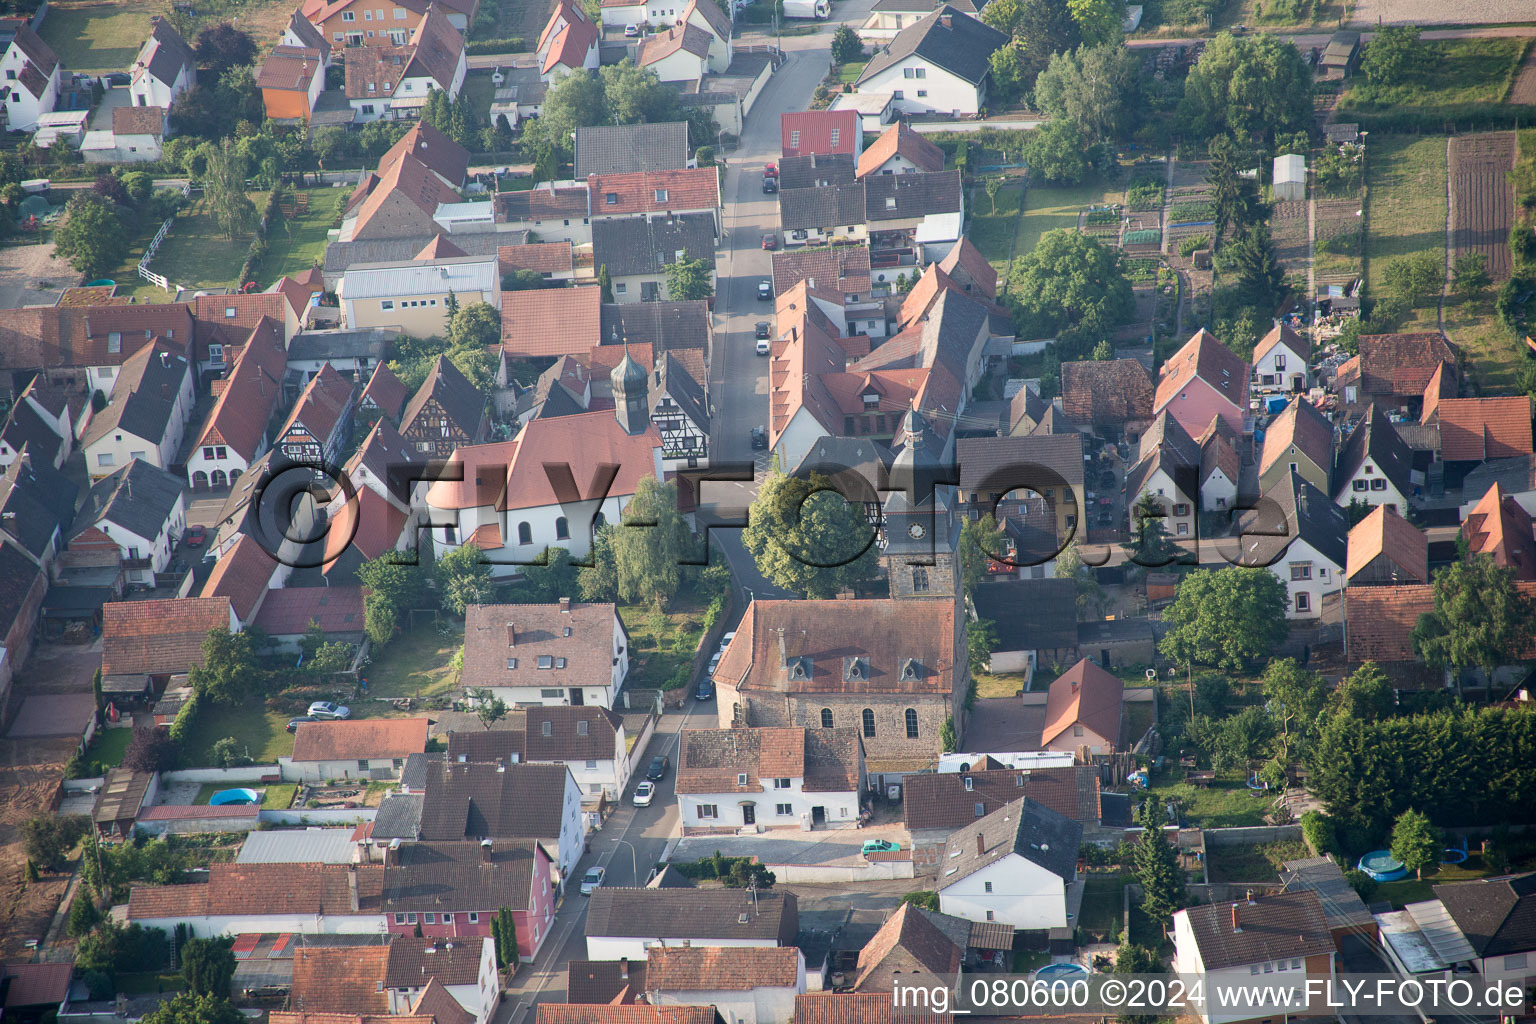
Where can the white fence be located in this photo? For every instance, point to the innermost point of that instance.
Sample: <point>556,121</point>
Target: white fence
<point>154,247</point>
<point>320,816</point>
<point>254,773</point>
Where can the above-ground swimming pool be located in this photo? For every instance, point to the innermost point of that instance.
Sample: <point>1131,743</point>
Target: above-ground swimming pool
<point>225,797</point>
<point>1453,855</point>
<point>1061,972</point>
<point>1382,866</point>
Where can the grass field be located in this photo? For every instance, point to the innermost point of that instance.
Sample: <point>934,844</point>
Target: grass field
<point>849,73</point>
<point>1047,208</point>
<point>988,685</point>
<point>1461,71</point>
<point>109,746</point>
<point>1103,910</point>
<point>279,798</point>
<point>1493,354</point>
<point>660,643</point>
<point>1259,862</point>
<point>261,734</point>
<point>1226,803</point>
<point>96,36</point>
<point>296,245</point>
<point>416,664</point>
<point>992,232</point>
<point>1405,209</point>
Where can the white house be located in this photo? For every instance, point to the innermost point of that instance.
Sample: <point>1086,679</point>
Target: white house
<point>568,42</point>
<point>772,778</point>
<point>708,16</point>
<point>937,65</point>
<point>146,415</point>
<point>570,652</point>
<point>137,134</point>
<point>1168,469</point>
<point>235,433</point>
<point>1220,469</point>
<point>1484,923</point>
<point>589,740</point>
<point>463,967</point>
<point>747,985</point>
<point>1280,941</point>
<point>1303,538</point>
<point>355,749</point>
<point>626,923</point>
<point>394,81</point>
<point>32,74</point>
<point>165,68</point>
<point>514,525</point>
<point>1012,867</point>
<point>139,511</point>
<point>1282,361</point>
<point>1375,465</point>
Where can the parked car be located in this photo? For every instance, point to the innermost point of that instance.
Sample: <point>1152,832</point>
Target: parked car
<point>294,723</point>
<point>770,186</point>
<point>764,291</point>
<point>770,242</point>
<point>764,346</point>
<point>591,881</point>
<point>322,709</point>
<point>644,794</point>
<point>658,769</point>
<point>759,439</point>
<point>725,641</point>
<point>770,170</point>
<point>706,689</point>
<point>195,536</point>
<point>760,329</point>
<point>880,846</point>
<point>714,663</point>
<point>631,31</point>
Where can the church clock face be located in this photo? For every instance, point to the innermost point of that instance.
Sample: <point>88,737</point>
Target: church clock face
<point>916,531</point>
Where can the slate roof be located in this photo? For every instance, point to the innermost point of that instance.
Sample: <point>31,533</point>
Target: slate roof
<point>436,47</point>
<point>366,738</point>
<point>1029,615</point>
<point>367,343</point>
<point>1301,424</point>
<point>911,196</point>
<point>144,396</point>
<point>1293,508</point>
<point>906,647</point>
<point>1477,429</point>
<point>623,149</point>
<point>721,968</point>
<point>1497,915</point>
<point>910,930</point>
<point>1282,926</point>
<point>947,800</point>
<point>456,875</point>
<point>963,48</point>
<point>35,500</point>
<point>26,427</point>
<point>816,170</point>
<point>1110,392</point>
<point>837,206</point>
<point>614,911</point>
<point>165,53</point>
<point>459,399</point>
<point>670,379</point>
<point>985,462</point>
<point>1376,438</point>
<point>341,255</point>
<point>662,325</point>
<point>1385,534</point>
<point>713,760</point>
<point>399,816</point>
<point>489,801</point>
<point>1023,827</point>
<point>549,733</point>
<point>641,245</point>
<point>901,140</point>
<point>139,498</point>
<point>321,405</point>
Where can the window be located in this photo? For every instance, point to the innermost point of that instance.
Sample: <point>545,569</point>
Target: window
<point>429,918</point>
<point>785,810</point>
<point>826,718</point>
<point>387,304</point>
<point>794,140</point>
<point>562,529</point>
<point>399,13</point>
<point>399,919</point>
<point>474,918</point>
<point>986,886</point>
<point>1379,484</point>
<point>367,108</point>
<point>1180,509</point>
<point>1077,730</point>
<point>780,783</point>
<point>980,809</point>
<point>581,728</point>
<point>115,341</point>
<point>1279,361</point>
<point>367,15</point>
<point>554,694</point>
<point>1301,572</point>
<point>104,459</point>
<point>911,717</point>
<point>836,133</point>
<point>1515,962</point>
<point>410,918</point>
<point>661,195</point>
<point>990,916</point>
<point>1253,968</point>
<point>511,663</point>
<point>708,811</point>
<point>921,93</point>
<point>610,198</point>
<point>362,764</point>
<point>591,766</point>
<point>869,723</point>
<point>1358,485</point>
<point>1303,601</point>
<point>348,15</point>
<point>741,778</point>
<point>919,580</point>
<point>524,533</point>
<point>546,661</point>
<point>447,919</point>
<point>546,728</point>
<point>970,783</point>
<point>207,451</point>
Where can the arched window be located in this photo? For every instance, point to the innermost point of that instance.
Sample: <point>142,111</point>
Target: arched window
<point>911,717</point>
<point>826,718</point>
<point>524,533</point>
<point>919,580</point>
<point>218,478</point>
<point>562,529</point>
<point>199,480</point>
<point>869,723</point>
<point>234,475</point>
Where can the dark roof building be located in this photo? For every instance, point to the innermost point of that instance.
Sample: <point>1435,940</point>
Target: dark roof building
<point>490,801</point>
<point>1108,393</point>
<point>950,38</point>
<point>630,246</point>
<point>717,914</point>
<point>1021,827</point>
<point>629,148</point>
<point>1497,915</point>
<point>951,800</point>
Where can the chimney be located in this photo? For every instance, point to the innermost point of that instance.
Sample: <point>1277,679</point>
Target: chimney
<point>165,392</point>
<point>565,606</point>
<point>1250,897</point>
<point>485,844</point>
<point>1236,924</point>
<point>981,844</point>
<point>624,968</point>
<point>511,635</point>
<point>352,886</point>
<point>392,854</point>
<point>783,658</point>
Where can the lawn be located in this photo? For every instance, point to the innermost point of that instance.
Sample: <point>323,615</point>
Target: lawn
<point>988,685</point>
<point>992,232</point>
<point>1405,208</point>
<point>96,36</point>
<point>196,254</point>
<point>1460,71</point>
<point>1226,803</point>
<point>1414,890</point>
<point>661,642</point>
<point>1493,354</point>
<point>109,746</point>
<point>849,73</point>
<point>262,735</point>
<point>279,797</point>
<point>1103,911</point>
<point>1257,862</point>
<point>1047,208</point>
<point>293,246</point>
<point>1139,715</point>
<point>418,663</point>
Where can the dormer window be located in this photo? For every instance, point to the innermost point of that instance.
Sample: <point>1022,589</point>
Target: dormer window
<point>890,203</point>
<point>661,195</point>
<point>911,671</point>
<point>511,663</point>
<point>115,341</point>
<point>856,669</point>
<point>741,778</point>
<point>799,668</point>
<point>970,784</point>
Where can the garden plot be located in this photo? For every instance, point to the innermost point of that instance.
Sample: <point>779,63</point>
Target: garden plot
<point>1288,227</point>
<point>1337,245</point>
<point>1482,198</point>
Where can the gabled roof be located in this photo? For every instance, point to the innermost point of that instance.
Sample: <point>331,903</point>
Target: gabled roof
<point>567,38</point>
<point>966,261</point>
<point>1500,527</point>
<point>1497,915</point>
<point>337,609</point>
<point>628,148</point>
<point>35,501</point>
<point>491,801</point>
<point>1282,335</point>
<point>553,732</point>
<point>721,968</point>
<point>909,930</point>
<point>339,979</point>
<point>250,393</point>
<point>264,889</point>
<point>1402,364</point>
<point>504,643</point>
<point>436,1002</point>
<point>321,405</point>
<point>552,322</point>
<point>1084,694</point>
<point>598,982</point>
<point>1208,359</point>
<point>139,498</point>
<point>242,575</point>
<point>35,49</point>
<point>827,207</point>
<point>459,875</point>
<point>385,390</point>
<point>714,16</point>
<point>714,760</point>
<point>1377,439</point>
<point>1293,509</point>
<point>436,48</point>
<point>546,202</point>
<point>144,397</point>
<point>670,379</point>
<point>641,245</point>
<point>694,913</point>
<point>307,34</point>
<point>1379,621</point>
<point>289,68</point>
<point>1029,614</point>
<point>689,38</point>
<point>949,38</point>
<point>163,636</point>
<point>544,257</point>
<point>1478,429</point>
<point>1109,392</point>
<point>906,196</point>
<point>1280,927</point>
<point>1303,425</point>
<point>1385,534</point>
<point>26,428</point>
<point>665,326</point>
<point>407,180</point>
<point>952,800</point>
<point>816,170</point>
<point>985,461</point>
<point>1021,827</point>
<point>900,140</point>
<point>856,1008</point>
<point>440,154</point>
<point>804,132</point>
<point>459,399</point>
<point>572,1013</point>
<point>165,54</point>
<point>367,738</point>
<point>680,190</point>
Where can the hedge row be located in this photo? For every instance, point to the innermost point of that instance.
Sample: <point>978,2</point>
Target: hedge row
<point>511,44</point>
<point>1433,121</point>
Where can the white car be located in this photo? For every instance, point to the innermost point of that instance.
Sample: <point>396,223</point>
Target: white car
<point>725,641</point>
<point>591,881</point>
<point>645,793</point>
<point>714,663</point>
<point>325,709</point>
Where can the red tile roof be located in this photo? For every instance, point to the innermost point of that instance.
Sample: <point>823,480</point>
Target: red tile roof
<point>1208,359</point>
<point>641,192</point>
<point>368,738</point>
<point>439,249</point>
<point>386,391</point>
<point>36,984</point>
<point>1477,429</point>
<point>409,178</point>
<point>569,36</point>
<point>494,633</point>
<point>857,1008</point>
<point>1300,424</point>
<point>810,133</point>
<point>551,322</point>
<point>1384,533</point>
<point>965,260</point>
<point>158,637</point>
<point>242,575</point>
<point>1084,694</point>
<point>1109,392</point>
<point>264,889</point>
<point>545,257</point>
<point>1282,926</point>
<point>339,979</point>
<point>289,68</point>
<point>1282,334</point>
<point>321,405</point>
<point>337,609</point>
<point>251,391</point>
<point>901,140</point>
<point>1499,526</point>
<point>367,523</point>
<point>1379,621</point>
<point>721,968</point>
<point>910,930</point>
<point>440,154</point>
<point>1401,364</point>
<point>633,1013</point>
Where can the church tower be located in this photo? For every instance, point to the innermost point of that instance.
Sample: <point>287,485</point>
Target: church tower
<point>922,535</point>
<point>631,395</point>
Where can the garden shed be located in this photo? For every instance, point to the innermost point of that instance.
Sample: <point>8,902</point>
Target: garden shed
<point>1290,177</point>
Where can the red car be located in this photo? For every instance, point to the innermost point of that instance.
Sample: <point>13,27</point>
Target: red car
<point>195,536</point>
<point>771,171</point>
<point>770,242</point>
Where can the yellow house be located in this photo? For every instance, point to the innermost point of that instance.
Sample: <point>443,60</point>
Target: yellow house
<point>412,295</point>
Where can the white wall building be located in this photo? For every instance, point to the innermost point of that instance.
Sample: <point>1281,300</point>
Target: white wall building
<point>30,74</point>
<point>819,796</point>
<point>570,652</point>
<point>1012,867</point>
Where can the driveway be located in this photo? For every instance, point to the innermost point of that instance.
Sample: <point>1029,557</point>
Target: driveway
<point>827,848</point>
<point>30,275</point>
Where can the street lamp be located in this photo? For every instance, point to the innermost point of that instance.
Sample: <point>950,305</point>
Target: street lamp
<point>634,864</point>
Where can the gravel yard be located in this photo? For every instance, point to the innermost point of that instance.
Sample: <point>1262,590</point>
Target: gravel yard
<point>30,276</point>
<point>1436,12</point>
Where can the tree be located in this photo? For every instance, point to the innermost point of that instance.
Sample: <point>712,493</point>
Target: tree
<point>1417,277</point>
<point>805,536</point>
<point>1247,85</point>
<point>1356,511</point>
<point>1134,959</point>
<point>1040,28</point>
<point>1241,738</point>
<point>1294,698</point>
<point>927,899</point>
<point>477,325</point>
<point>83,915</point>
<point>208,965</point>
<point>379,619</point>
<point>604,284</point>
<point>599,581</point>
<point>553,576</point>
<point>1157,867</point>
<point>980,642</point>
<point>1150,546</point>
<point>1365,696</point>
<point>489,708</point>
<point>650,543</point>
<point>222,46</point>
<point>1394,55</point>
<point>229,673</point>
<point>993,185</point>
<point>1103,352</point>
<point>1069,566</point>
<point>847,47</point>
<point>92,236</point>
<point>522,281</point>
<point>1070,281</point>
<point>1469,276</point>
<point>980,540</point>
<point>224,189</point>
<point>573,101</point>
<point>506,939</point>
<point>463,579</point>
<point>1101,22</point>
<point>1008,67</point>
<point>475,363</point>
<point>187,1008</point>
<point>1415,842</point>
<point>400,583</point>
<point>1481,618</point>
<point>1234,197</point>
<point>637,94</point>
<point>689,279</point>
<point>150,750</point>
<point>1225,617</point>
<point>1251,256</point>
<point>1056,153</point>
<point>947,739</point>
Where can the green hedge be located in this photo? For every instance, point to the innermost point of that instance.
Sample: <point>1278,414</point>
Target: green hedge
<point>511,44</point>
<point>1433,121</point>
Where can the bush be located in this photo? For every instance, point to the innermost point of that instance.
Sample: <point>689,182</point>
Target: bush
<point>1192,243</point>
<point>1317,829</point>
<point>923,899</point>
<point>99,984</point>
<point>49,839</point>
<point>509,44</point>
<point>1361,882</point>
<point>227,753</point>
<point>83,915</point>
